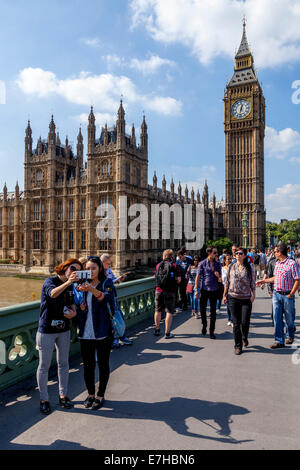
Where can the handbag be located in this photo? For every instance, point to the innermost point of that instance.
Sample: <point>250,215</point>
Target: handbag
<point>189,288</point>
<point>117,320</point>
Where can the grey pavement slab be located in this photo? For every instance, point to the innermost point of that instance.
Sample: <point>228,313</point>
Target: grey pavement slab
<point>185,393</point>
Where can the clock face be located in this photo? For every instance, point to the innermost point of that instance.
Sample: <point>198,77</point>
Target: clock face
<point>241,109</point>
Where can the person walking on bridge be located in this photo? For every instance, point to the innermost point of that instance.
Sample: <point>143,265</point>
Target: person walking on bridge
<point>210,273</point>
<point>240,287</point>
<point>286,281</point>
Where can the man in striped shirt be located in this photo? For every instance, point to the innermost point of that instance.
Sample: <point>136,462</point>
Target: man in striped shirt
<point>286,282</point>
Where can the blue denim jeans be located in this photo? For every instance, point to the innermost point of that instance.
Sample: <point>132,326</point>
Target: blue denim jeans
<point>194,302</point>
<point>282,304</point>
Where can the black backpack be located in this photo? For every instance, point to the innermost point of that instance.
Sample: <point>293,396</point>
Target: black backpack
<point>165,276</point>
<point>256,258</point>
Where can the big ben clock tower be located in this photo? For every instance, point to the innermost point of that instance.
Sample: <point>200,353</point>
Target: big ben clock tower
<point>244,150</point>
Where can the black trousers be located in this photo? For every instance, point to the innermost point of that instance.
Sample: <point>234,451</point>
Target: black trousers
<point>212,296</point>
<point>89,348</point>
<point>240,310</point>
<point>183,300</point>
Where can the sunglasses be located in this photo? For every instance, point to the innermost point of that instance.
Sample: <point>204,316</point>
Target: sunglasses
<point>73,268</point>
<point>240,253</point>
<point>93,258</point>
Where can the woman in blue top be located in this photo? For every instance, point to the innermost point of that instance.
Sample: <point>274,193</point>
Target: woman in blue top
<point>95,330</point>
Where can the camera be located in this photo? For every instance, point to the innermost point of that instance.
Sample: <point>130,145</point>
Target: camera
<point>59,324</point>
<point>84,276</point>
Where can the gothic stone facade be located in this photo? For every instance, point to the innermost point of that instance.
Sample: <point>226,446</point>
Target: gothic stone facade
<point>54,218</point>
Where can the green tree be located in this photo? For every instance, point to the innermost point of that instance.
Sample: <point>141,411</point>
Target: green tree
<point>221,244</point>
<point>289,230</point>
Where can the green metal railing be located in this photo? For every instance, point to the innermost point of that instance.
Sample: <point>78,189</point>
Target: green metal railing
<point>18,327</point>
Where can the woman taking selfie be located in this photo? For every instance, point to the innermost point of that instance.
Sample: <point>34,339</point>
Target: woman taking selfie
<point>95,330</point>
<point>240,287</point>
<point>57,309</point>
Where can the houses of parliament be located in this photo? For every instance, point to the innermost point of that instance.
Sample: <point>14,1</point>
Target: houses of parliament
<point>54,217</point>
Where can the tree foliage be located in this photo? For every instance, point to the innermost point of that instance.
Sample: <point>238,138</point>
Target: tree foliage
<point>221,244</point>
<point>286,232</point>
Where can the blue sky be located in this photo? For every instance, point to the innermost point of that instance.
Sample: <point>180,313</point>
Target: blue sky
<point>169,58</point>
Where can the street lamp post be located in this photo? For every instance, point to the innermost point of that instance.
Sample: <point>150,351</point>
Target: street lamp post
<point>245,225</point>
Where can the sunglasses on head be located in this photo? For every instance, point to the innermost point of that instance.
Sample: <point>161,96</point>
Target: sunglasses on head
<point>93,258</point>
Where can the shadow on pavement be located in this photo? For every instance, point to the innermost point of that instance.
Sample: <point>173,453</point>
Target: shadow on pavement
<point>175,413</point>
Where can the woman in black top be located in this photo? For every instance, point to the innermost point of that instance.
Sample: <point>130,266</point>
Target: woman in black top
<point>57,309</point>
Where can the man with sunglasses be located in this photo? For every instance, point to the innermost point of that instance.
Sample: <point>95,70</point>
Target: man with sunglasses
<point>286,281</point>
<point>210,272</point>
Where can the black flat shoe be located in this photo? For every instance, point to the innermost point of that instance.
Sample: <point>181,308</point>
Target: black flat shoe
<point>204,331</point>
<point>65,403</point>
<point>45,408</point>
<point>98,404</point>
<point>88,402</point>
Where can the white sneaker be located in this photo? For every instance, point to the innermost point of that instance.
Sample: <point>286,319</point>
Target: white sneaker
<point>229,323</point>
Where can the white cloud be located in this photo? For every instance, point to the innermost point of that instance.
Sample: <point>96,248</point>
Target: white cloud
<point>279,143</point>
<point>166,106</point>
<point>102,90</point>
<point>92,42</point>
<point>212,28</point>
<point>284,203</point>
<point>114,60</point>
<point>294,160</point>
<point>151,65</point>
<point>101,119</point>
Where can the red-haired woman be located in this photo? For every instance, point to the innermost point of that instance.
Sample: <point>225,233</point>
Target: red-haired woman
<point>57,309</point>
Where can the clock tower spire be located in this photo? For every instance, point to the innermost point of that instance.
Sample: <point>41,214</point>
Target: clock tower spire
<point>244,149</point>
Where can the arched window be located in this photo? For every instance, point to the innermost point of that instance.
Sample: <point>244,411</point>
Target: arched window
<point>39,175</point>
<point>105,168</point>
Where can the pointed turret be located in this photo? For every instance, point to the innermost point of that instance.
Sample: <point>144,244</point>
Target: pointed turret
<point>205,195</point>
<point>192,196</point>
<point>244,63</point>
<point>79,149</point>
<point>154,182</point>
<point>5,192</point>
<point>40,146</point>
<point>214,201</point>
<point>28,141</point>
<point>179,192</point>
<point>244,49</point>
<point>17,191</point>
<point>121,124</point>
<point>172,188</point>
<point>144,135</point>
<point>186,195</point>
<point>198,197</point>
<point>91,132</point>
<point>164,187</point>
<point>133,138</point>
<point>58,142</point>
<point>67,148</point>
<point>51,134</point>
<point>105,135</point>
